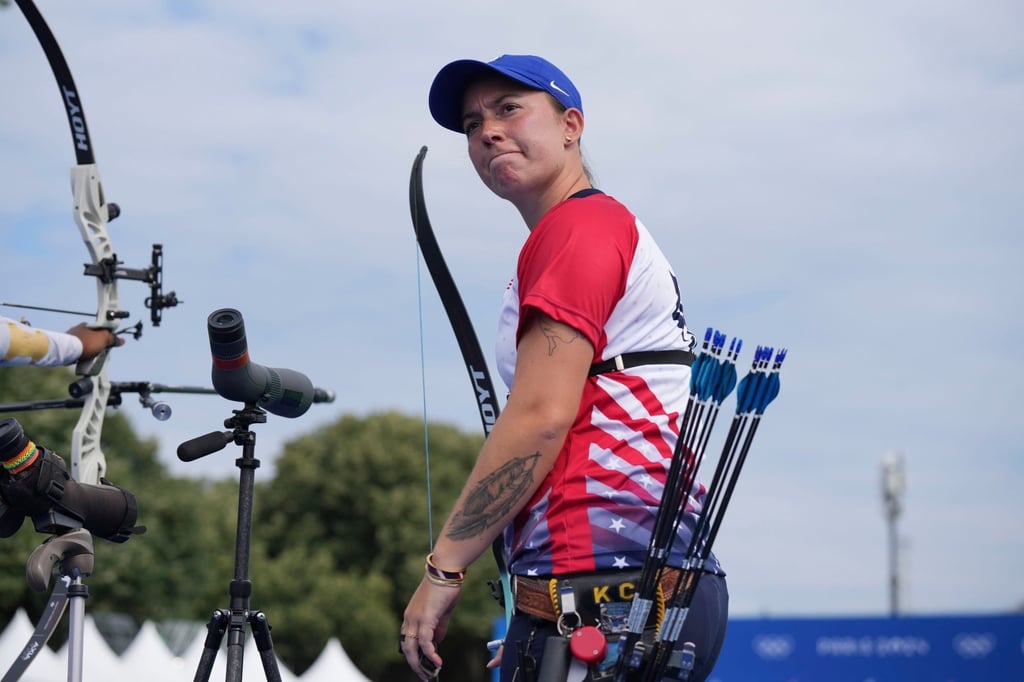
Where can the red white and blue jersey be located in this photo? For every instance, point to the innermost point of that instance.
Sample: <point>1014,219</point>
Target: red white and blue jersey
<point>590,264</point>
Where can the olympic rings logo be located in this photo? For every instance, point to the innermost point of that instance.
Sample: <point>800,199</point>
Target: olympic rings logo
<point>773,647</point>
<point>974,644</point>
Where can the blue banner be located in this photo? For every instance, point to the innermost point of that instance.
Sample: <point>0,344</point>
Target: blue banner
<point>900,649</point>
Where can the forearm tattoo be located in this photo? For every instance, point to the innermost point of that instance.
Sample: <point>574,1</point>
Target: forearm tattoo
<point>492,498</point>
<point>555,334</point>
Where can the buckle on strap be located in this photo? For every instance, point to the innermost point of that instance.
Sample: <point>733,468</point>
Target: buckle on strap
<point>647,357</point>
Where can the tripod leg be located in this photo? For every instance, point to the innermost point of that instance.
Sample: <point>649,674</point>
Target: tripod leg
<point>265,645</point>
<point>44,630</point>
<point>214,634</point>
<point>76,635</point>
<point>236,647</point>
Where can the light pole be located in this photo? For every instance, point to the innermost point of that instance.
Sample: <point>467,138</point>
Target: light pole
<point>894,483</point>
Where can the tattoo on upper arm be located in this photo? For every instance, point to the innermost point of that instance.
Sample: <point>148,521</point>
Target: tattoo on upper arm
<point>555,332</point>
<point>493,497</point>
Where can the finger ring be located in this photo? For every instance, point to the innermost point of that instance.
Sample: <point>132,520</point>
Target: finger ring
<point>412,636</point>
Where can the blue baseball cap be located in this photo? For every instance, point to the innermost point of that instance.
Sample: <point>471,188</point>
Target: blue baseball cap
<point>451,82</point>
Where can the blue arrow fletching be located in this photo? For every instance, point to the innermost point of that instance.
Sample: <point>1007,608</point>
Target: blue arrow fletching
<point>741,394</point>
<point>703,372</point>
<point>751,389</point>
<point>748,386</point>
<point>696,371</point>
<point>771,390</point>
<point>774,382</point>
<point>707,385</point>
<point>726,383</point>
<point>727,374</point>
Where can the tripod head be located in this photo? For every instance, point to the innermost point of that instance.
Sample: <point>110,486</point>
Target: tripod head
<point>215,441</point>
<point>71,553</point>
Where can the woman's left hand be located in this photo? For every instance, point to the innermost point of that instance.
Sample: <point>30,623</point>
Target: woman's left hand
<point>94,341</point>
<point>496,661</point>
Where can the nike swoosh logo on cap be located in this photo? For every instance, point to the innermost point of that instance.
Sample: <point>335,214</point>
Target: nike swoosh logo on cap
<point>552,85</point>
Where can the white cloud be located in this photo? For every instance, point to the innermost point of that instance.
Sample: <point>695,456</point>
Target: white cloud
<point>841,180</point>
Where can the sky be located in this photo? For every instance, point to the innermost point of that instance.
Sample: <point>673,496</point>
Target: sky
<point>845,180</point>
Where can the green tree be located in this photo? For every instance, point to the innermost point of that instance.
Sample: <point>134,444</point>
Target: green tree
<point>125,574</point>
<point>337,544</point>
<point>353,494</point>
<point>169,571</point>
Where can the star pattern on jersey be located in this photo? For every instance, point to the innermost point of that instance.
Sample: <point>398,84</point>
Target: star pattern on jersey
<point>620,562</point>
<point>617,525</point>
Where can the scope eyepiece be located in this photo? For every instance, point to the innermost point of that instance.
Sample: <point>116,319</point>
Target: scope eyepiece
<point>227,336</point>
<point>283,392</point>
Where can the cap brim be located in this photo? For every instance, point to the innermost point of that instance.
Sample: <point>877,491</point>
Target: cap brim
<point>450,86</point>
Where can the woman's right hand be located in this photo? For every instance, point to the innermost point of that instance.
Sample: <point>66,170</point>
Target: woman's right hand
<point>425,624</point>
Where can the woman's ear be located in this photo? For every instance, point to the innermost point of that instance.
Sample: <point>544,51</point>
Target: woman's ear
<point>573,123</point>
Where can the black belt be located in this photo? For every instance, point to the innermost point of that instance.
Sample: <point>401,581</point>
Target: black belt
<point>646,357</point>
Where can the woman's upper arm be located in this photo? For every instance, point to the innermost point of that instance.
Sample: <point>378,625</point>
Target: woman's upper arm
<point>552,363</point>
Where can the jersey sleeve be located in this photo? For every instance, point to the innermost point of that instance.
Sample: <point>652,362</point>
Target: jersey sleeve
<point>23,345</point>
<point>574,265</point>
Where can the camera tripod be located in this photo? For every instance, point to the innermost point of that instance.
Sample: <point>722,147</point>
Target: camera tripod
<point>234,619</point>
<point>70,555</point>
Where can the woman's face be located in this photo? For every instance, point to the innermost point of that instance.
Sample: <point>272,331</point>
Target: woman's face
<point>516,138</point>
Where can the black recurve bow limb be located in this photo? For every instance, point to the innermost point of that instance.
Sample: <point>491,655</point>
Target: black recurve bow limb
<point>458,316</point>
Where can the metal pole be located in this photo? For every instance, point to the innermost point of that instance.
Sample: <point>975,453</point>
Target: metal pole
<point>894,577</point>
<point>893,486</point>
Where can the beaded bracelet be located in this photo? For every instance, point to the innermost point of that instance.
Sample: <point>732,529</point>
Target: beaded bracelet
<point>23,460</point>
<point>440,576</point>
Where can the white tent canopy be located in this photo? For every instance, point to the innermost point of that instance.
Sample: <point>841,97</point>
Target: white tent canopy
<point>148,658</point>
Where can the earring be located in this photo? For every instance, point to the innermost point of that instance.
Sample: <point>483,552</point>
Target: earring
<point>568,140</point>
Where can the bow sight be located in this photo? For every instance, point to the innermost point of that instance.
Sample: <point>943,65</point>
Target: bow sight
<point>109,269</point>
